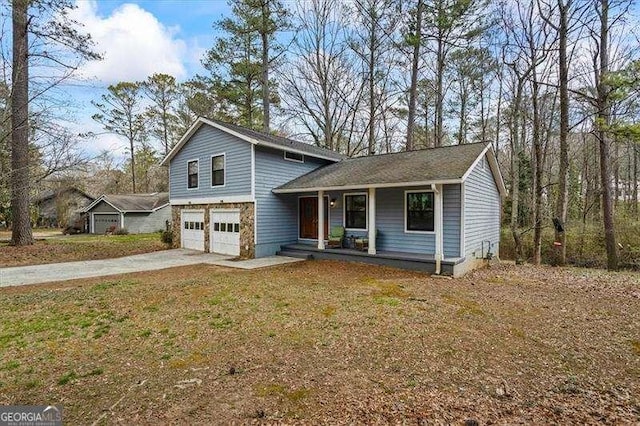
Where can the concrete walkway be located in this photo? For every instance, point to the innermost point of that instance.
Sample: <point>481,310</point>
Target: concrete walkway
<point>35,274</point>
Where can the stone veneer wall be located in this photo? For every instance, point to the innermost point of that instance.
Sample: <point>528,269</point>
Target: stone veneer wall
<point>247,223</point>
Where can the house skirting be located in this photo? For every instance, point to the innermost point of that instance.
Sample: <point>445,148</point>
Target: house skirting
<point>247,225</point>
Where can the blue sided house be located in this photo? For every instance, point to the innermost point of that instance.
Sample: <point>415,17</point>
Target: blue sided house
<point>245,193</point>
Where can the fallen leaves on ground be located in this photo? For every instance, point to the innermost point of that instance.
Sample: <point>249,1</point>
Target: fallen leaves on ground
<point>78,247</point>
<point>331,342</point>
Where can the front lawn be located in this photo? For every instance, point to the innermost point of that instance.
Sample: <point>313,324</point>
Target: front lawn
<point>325,341</point>
<point>78,247</point>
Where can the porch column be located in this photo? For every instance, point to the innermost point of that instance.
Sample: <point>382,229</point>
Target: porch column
<point>372,220</point>
<point>320,220</point>
<point>438,224</point>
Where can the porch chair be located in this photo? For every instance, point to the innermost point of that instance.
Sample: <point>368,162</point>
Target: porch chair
<point>336,237</point>
<point>362,243</point>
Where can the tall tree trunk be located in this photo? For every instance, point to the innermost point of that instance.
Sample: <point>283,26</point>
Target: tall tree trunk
<point>498,112</point>
<point>20,180</point>
<point>427,144</point>
<point>133,165</point>
<point>462,129</point>
<point>616,171</point>
<point>440,58</point>
<point>635,180</point>
<point>165,131</point>
<point>483,118</point>
<point>372,97</point>
<point>562,201</point>
<point>266,125</point>
<point>413,90</point>
<point>537,171</point>
<point>515,173</point>
<point>603,120</point>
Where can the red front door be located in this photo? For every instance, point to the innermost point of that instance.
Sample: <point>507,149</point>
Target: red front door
<point>309,217</point>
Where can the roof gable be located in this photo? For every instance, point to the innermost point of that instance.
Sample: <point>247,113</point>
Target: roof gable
<point>255,138</point>
<point>133,202</point>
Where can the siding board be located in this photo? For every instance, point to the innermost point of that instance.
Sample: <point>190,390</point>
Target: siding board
<point>390,221</point>
<point>143,223</point>
<point>482,206</point>
<point>208,141</point>
<point>451,217</point>
<point>277,215</point>
<point>103,207</point>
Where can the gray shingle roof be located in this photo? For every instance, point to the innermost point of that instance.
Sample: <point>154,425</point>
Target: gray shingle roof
<point>282,141</point>
<point>49,193</point>
<point>435,164</point>
<point>137,202</point>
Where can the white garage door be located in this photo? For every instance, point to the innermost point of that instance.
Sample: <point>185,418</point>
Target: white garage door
<point>193,230</point>
<point>225,231</point>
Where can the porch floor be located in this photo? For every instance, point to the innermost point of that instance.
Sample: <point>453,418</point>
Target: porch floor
<point>414,261</point>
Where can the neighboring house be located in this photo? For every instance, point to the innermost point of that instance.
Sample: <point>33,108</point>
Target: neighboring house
<point>62,208</point>
<point>241,192</point>
<point>137,213</point>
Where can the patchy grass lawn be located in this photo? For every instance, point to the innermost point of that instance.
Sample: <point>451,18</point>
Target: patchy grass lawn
<point>5,234</point>
<point>79,247</point>
<point>330,342</point>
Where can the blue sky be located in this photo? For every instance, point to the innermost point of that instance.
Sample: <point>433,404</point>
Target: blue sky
<point>138,38</point>
<point>188,20</point>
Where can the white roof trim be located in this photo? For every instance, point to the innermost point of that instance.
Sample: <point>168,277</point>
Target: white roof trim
<point>497,174</point>
<point>101,198</point>
<point>475,162</point>
<point>159,207</point>
<point>371,185</point>
<point>495,170</point>
<point>97,201</point>
<point>201,120</point>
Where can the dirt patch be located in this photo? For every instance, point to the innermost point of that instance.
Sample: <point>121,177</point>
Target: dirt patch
<point>78,247</point>
<point>325,341</point>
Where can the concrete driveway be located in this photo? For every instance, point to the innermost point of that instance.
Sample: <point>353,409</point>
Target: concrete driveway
<point>21,275</point>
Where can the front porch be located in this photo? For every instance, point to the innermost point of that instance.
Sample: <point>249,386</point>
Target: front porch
<point>414,227</point>
<point>413,261</point>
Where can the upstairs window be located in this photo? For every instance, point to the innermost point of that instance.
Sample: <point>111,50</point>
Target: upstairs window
<point>192,174</point>
<point>419,211</point>
<point>355,211</point>
<point>217,170</point>
<point>294,156</point>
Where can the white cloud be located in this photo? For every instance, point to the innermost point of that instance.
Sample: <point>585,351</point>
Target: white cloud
<point>133,42</point>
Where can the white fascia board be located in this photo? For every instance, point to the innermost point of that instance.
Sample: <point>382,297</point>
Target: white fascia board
<point>97,201</point>
<point>497,174</point>
<point>201,120</point>
<point>475,162</point>
<point>212,200</point>
<point>160,207</point>
<point>376,185</point>
<point>195,126</point>
<point>254,141</point>
<point>493,165</point>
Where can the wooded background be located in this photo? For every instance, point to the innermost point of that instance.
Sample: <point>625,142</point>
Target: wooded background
<point>552,85</point>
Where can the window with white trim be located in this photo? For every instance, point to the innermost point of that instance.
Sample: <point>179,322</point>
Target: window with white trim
<point>192,174</point>
<point>294,156</point>
<point>420,211</point>
<point>217,170</point>
<point>355,211</point>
